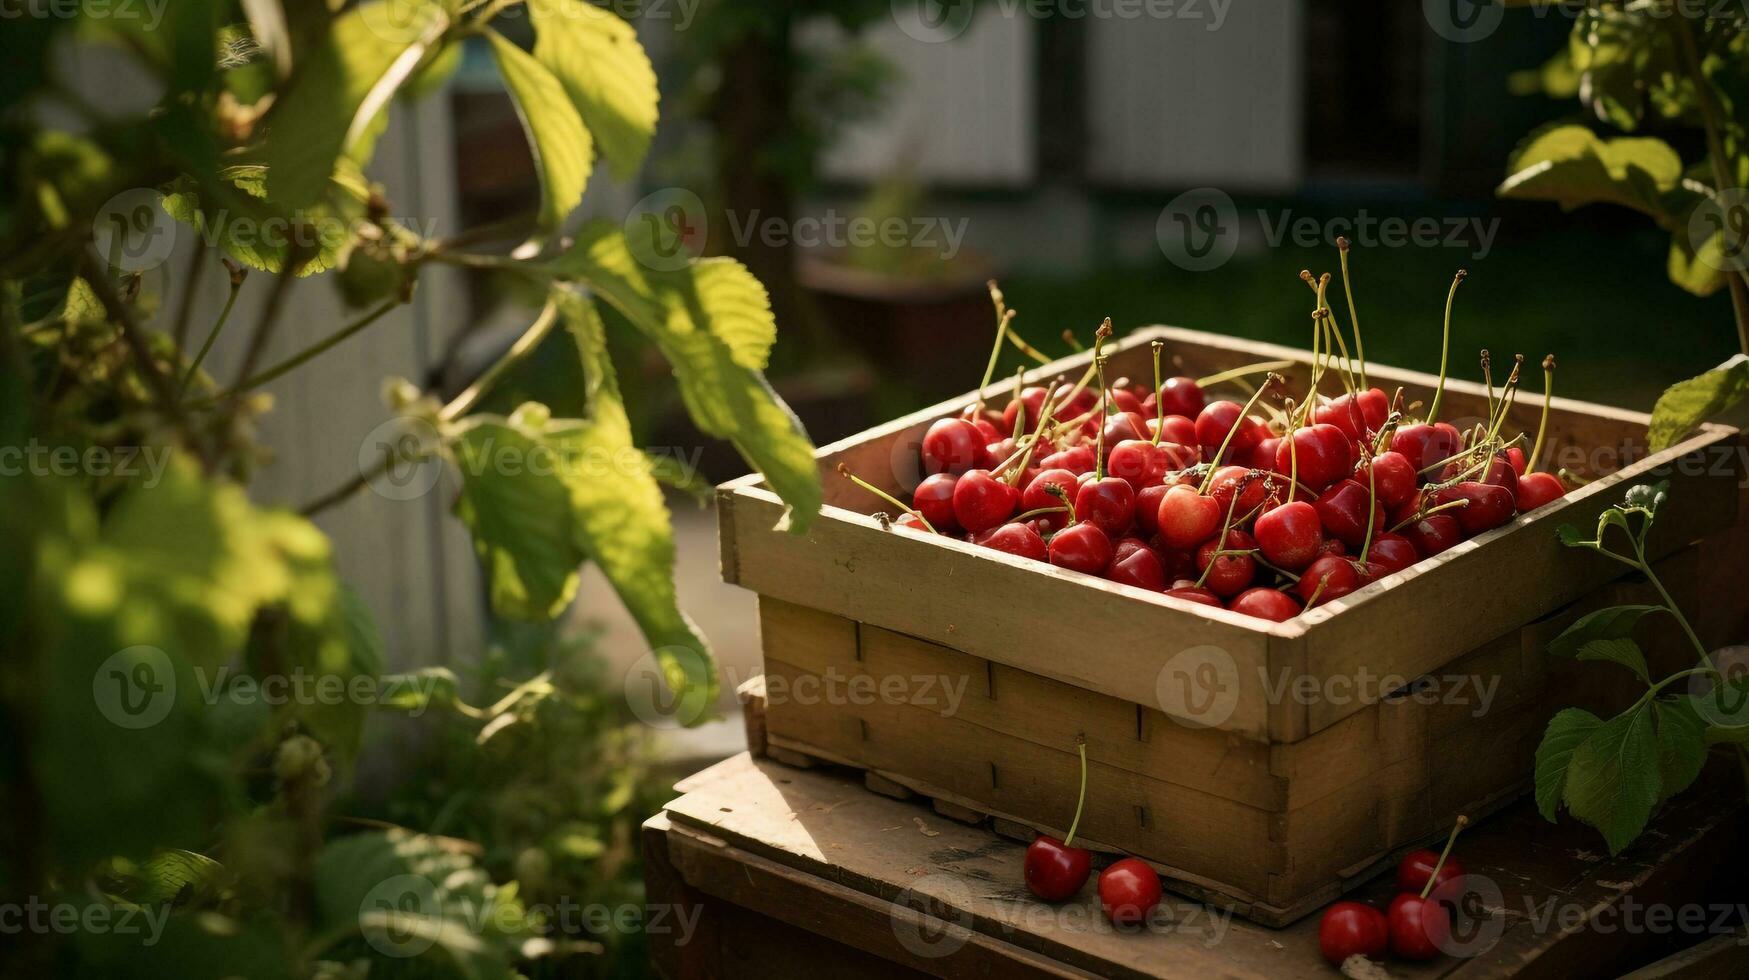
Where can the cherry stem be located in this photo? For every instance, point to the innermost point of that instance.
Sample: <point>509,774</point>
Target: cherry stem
<point>1104,413</point>
<point>1462,822</point>
<point>1344,366</point>
<point>1244,413</point>
<point>1159,403</point>
<point>1353,317</point>
<point>1542,427</point>
<point>1068,505</point>
<point>1488,381</point>
<point>1422,515</point>
<point>1508,397</point>
<point>1261,367</point>
<point>1293,458</point>
<point>1074,343</point>
<point>844,471</point>
<point>1004,316</point>
<point>1444,348</point>
<point>1080,801</point>
<point>1284,573</point>
<point>1038,512</point>
<point>1020,403</point>
<point>1226,528</point>
<point>1323,581</point>
<point>1099,337</point>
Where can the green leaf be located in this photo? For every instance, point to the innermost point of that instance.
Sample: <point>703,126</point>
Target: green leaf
<point>180,877</point>
<point>1566,732</point>
<point>337,89</point>
<point>1686,404</point>
<point>250,231</point>
<point>712,321</point>
<point>1572,167</point>
<point>597,58</point>
<point>1613,780</point>
<point>1617,650</point>
<point>403,895</point>
<point>521,518</point>
<point>1681,745</point>
<point>362,638</point>
<point>1571,537</point>
<point>1647,497</point>
<point>1628,63</point>
<point>1615,622</point>
<point>622,522</point>
<point>563,151</point>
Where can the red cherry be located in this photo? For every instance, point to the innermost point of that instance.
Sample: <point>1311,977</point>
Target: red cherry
<point>1138,462</point>
<point>1324,455</point>
<point>1537,489</point>
<point>1190,592</point>
<point>1393,478</point>
<point>1228,479</point>
<point>1215,421</point>
<point>1418,926</point>
<point>952,446</point>
<point>1054,870</point>
<point>1289,535</point>
<point>1140,568</point>
<point>1109,504</point>
<point>1175,429</point>
<point>1181,396</point>
<point>1264,603</point>
<point>1125,400</point>
<point>1262,455</point>
<point>1331,546</point>
<point>1231,574</point>
<point>1390,553</point>
<point>1416,868</point>
<point>996,452</point>
<point>1187,518</point>
<point>1128,891</point>
<point>1016,539</point>
<point>1082,548</point>
<point>1178,564</point>
<point>1515,456</point>
<point>1337,575</point>
<point>981,502</point>
<point>1352,929</point>
<point>988,431</point>
<point>933,498</point>
<point>1499,473</point>
<point>1036,497</point>
<point>1427,445</point>
<point>1489,506</point>
<point>1125,426</point>
<point>1343,511</point>
<point>1033,399</point>
<point>1432,535</point>
<point>1076,460</point>
<point>1148,507</point>
<point>1358,414</point>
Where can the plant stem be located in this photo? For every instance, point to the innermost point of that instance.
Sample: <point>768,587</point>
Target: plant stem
<point>190,286</point>
<point>1444,349</point>
<point>265,327</point>
<point>311,353</point>
<point>123,315</point>
<point>1353,316</point>
<point>1709,115</point>
<point>525,345</point>
<point>212,335</point>
<point>1462,821</point>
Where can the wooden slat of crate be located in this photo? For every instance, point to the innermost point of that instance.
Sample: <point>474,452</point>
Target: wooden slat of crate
<point>1195,834</point>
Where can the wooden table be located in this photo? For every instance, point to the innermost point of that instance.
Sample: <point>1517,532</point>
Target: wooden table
<point>807,873</point>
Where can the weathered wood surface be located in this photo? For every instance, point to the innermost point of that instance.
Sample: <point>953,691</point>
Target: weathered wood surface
<point>817,853</point>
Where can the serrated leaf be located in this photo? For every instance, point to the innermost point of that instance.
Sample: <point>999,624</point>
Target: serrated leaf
<point>713,323</point>
<point>597,58</point>
<point>337,88</point>
<point>521,519</point>
<point>1566,732</point>
<point>1613,779</point>
<point>1681,745</point>
<point>1619,650</point>
<point>1572,167</point>
<point>1571,537</point>
<point>564,152</point>
<point>1686,404</point>
<point>622,523</point>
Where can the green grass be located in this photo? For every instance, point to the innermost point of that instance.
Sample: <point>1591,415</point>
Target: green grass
<point>1601,303</point>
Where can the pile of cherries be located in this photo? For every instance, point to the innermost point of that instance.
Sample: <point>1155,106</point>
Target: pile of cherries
<point>1418,923</point>
<point>1165,490</point>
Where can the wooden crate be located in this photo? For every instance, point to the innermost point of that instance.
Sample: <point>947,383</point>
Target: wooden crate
<point>1267,764</point>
